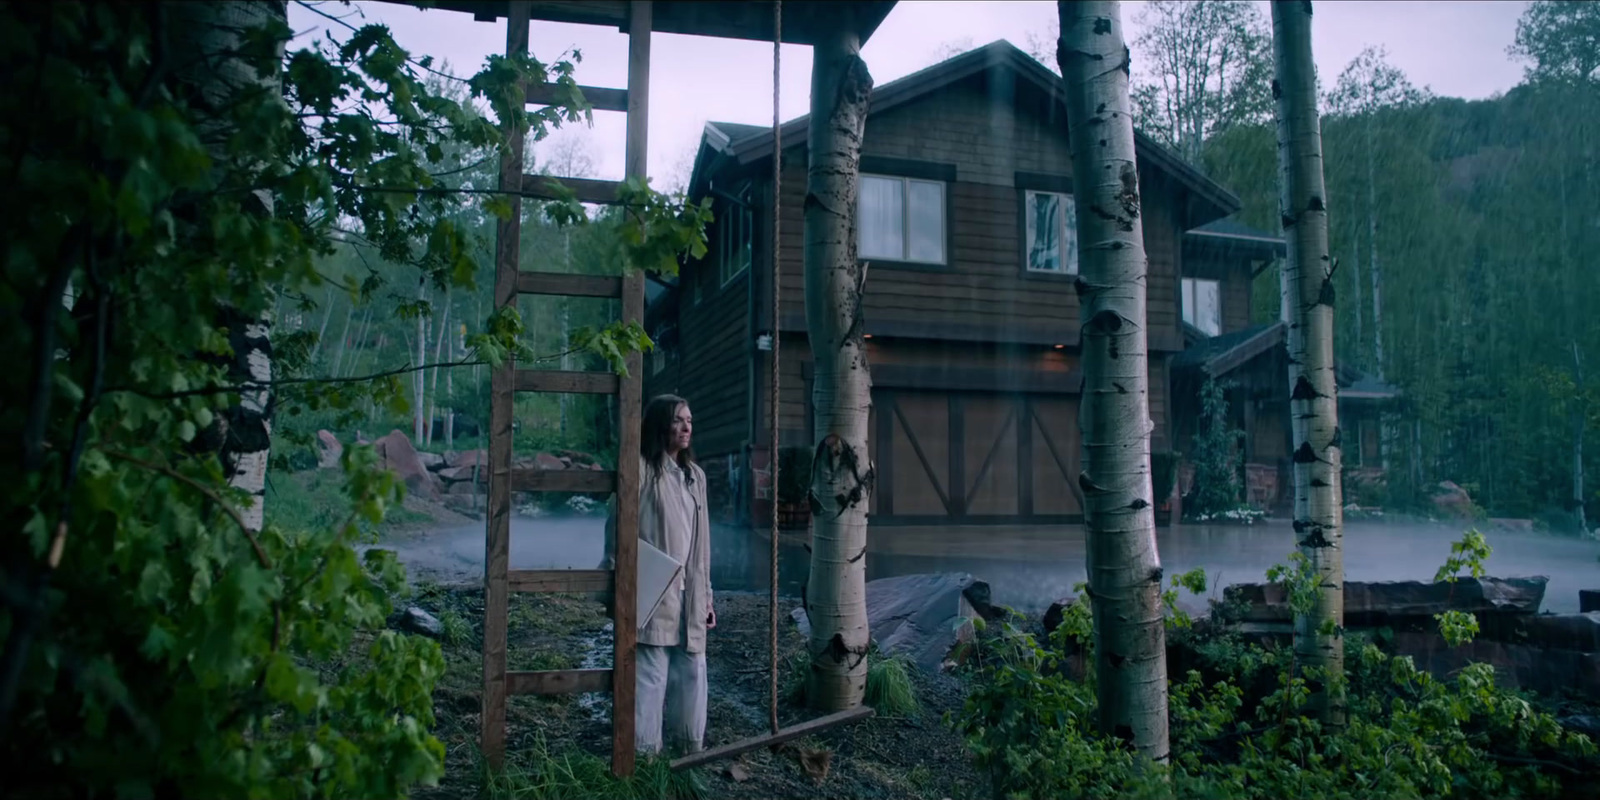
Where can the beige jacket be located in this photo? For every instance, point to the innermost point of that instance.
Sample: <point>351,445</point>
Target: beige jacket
<point>662,629</point>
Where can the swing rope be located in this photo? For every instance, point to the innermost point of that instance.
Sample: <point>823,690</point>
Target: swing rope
<point>777,198</point>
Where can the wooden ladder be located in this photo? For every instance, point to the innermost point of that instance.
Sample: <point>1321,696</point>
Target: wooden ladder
<point>498,683</point>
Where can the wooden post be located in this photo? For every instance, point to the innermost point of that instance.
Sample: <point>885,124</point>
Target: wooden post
<point>508,241</point>
<point>629,411</point>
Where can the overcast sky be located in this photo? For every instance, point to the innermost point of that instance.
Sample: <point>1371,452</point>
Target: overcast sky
<point>1457,48</point>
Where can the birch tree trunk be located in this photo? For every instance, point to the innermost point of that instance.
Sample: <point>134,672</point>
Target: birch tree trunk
<point>842,475</point>
<point>1307,284</point>
<point>1123,563</point>
<point>1579,422</point>
<point>344,340</point>
<point>438,351</point>
<point>215,32</point>
<point>419,382</point>
<point>1372,256</point>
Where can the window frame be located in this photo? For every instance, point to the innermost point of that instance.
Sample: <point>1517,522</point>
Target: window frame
<point>738,222</point>
<point>1186,293</point>
<point>1066,220</point>
<point>905,221</point>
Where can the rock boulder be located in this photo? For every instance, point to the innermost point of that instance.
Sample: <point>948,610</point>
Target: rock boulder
<point>1382,603</point>
<point>921,616</point>
<point>466,458</point>
<point>1452,500</point>
<point>329,450</point>
<point>401,458</point>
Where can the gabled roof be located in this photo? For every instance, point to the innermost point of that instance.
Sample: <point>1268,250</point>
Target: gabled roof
<point>747,143</point>
<point>1215,356</point>
<point>1218,355</point>
<point>1230,236</point>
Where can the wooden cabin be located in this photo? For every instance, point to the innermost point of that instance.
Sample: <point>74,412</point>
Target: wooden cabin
<point>1220,262</point>
<point>966,219</point>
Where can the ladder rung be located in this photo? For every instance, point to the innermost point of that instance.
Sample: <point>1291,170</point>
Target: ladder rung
<point>559,681</point>
<point>602,99</point>
<point>559,580</point>
<point>587,190</point>
<point>589,481</point>
<point>565,381</point>
<point>556,283</point>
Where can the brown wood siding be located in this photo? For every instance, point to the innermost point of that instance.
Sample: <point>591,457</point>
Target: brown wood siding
<point>1235,293</point>
<point>1160,405</point>
<point>712,373</point>
<point>1162,246</point>
<point>984,281</point>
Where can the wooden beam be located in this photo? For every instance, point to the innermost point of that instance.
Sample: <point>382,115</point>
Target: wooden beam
<point>586,481</point>
<point>768,739</point>
<point>559,681</point>
<point>587,190</point>
<point>565,381</point>
<point>949,378</point>
<point>559,580</point>
<point>630,402</point>
<point>497,533</point>
<point>564,285</point>
<point>599,97</point>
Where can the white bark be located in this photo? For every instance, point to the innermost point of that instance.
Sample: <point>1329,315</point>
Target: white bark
<point>214,31</point>
<point>842,475</point>
<point>1579,422</point>
<point>419,382</point>
<point>344,340</point>
<point>438,351</point>
<point>1123,563</point>
<point>1307,282</point>
<point>1372,257</point>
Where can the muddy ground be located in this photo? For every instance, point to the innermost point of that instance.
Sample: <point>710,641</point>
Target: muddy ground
<point>908,757</point>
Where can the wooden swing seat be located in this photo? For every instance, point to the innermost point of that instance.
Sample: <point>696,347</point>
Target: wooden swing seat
<point>741,746</point>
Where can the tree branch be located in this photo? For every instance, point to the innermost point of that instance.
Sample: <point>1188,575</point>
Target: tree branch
<point>210,493</point>
<point>408,368</point>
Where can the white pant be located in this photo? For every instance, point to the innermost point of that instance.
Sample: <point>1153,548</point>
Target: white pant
<point>670,679</point>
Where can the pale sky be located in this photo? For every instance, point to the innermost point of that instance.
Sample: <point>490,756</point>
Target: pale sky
<point>1457,48</point>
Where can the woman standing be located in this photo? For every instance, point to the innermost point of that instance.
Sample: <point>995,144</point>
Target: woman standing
<point>671,653</point>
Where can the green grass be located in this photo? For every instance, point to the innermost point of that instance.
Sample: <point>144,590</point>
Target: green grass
<point>315,499</point>
<point>889,689</point>
<point>456,630</point>
<point>540,774</point>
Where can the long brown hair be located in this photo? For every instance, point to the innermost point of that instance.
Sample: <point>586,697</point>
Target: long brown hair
<point>656,434</point>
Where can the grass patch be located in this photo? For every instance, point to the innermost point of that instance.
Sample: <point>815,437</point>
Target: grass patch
<point>316,500</point>
<point>538,773</point>
<point>456,630</point>
<point>889,689</point>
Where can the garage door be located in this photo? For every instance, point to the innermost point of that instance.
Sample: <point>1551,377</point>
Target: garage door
<point>974,458</point>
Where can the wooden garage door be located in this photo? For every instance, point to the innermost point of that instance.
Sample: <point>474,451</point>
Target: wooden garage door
<point>973,458</point>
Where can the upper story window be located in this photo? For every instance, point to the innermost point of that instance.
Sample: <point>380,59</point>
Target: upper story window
<point>1052,231</point>
<point>1202,305</point>
<point>734,247</point>
<point>901,219</point>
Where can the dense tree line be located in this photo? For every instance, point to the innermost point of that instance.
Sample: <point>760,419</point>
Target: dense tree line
<point>1465,236</point>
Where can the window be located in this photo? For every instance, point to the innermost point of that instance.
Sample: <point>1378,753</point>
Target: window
<point>1202,305</point>
<point>1052,231</point>
<point>737,230</point>
<point>901,219</point>
<point>658,360</point>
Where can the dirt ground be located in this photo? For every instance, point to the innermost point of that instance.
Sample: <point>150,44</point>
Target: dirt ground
<point>885,757</point>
